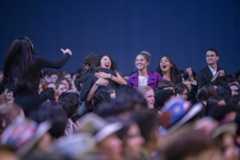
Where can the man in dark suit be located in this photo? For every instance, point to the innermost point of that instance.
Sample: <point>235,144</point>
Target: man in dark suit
<point>209,74</point>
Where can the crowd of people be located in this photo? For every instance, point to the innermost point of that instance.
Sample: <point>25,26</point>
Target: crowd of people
<point>96,113</point>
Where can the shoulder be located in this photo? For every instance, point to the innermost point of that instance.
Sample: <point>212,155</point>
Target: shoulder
<point>204,70</point>
<point>133,76</point>
<point>154,74</point>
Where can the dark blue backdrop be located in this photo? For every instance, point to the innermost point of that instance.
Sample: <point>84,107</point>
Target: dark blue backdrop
<point>181,29</point>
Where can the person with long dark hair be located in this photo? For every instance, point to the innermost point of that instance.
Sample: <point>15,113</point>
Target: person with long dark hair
<point>23,67</point>
<point>105,76</point>
<point>22,73</point>
<point>168,70</point>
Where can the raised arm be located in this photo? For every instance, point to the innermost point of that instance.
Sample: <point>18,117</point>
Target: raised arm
<point>116,78</point>
<point>43,63</point>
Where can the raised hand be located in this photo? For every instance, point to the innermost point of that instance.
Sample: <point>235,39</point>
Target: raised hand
<point>102,82</point>
<point>66,51</point>
<point>103,75</point>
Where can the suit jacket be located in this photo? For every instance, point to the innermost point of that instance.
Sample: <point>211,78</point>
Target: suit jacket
<point>205,77</point>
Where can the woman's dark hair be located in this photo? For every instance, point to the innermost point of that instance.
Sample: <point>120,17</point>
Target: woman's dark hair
<point>148,122</point>
<point>70,102</point>
<point>18,59</point>
<point>187,143</point>
<point>174,72</point>
<point>180,88</point>
<point>113,66</point>
<point>130,98</point>
<point>162,96</point>
<point>90,62</point>
<point>54,113</point>
<point>102,95</point>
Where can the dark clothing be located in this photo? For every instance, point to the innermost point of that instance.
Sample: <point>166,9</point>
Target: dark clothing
<point>30,102</point>
<point>1,88</point>
<point>32,76</point>
<point>90,79</point>
<point>205,76</point>
<point>25,85</point>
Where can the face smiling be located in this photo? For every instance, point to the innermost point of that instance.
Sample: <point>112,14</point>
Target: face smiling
<point>141,62</point>
<point>165,64</point>
<point>106,62</point>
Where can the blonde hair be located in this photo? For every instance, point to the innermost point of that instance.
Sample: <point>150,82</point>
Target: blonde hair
<point>146,55</point>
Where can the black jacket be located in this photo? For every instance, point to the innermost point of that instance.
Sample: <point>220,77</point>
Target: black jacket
<point>205,76</point>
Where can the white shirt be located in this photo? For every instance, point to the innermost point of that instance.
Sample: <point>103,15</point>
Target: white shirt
<point>213,71</point>
<point>142,81</point>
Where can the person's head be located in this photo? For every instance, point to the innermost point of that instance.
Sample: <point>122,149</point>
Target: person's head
<point>54,113</point>
<point>149,95</point>
<point>106,62</point>
<point>24,135</point>
<point>103,95</point>
<point>127,100</point>
<point>70,103</point>
<point>67,75</point>
<point>104,134</point>
<point>53,77</point>
<point>132,139</point>
<point>182,90</point>
<point>167,66</point>
<point>131,98</point>
<point>212,57</point>
<point>235,88</point>
<point>162,96</point>
<point>190,144</point>
<point>188,74</point>
<point>148,122</point>
<point>112,146</point>
<point>142,60</point>
<point>90,62</point>
<point>63,85</point>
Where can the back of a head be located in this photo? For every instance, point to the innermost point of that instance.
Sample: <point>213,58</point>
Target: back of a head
<point>131,97</point>
<point>162,96</point>
<point>148,122</point>
<point>187,143</point>
<point>70,102</point>
<point>53,112</point>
